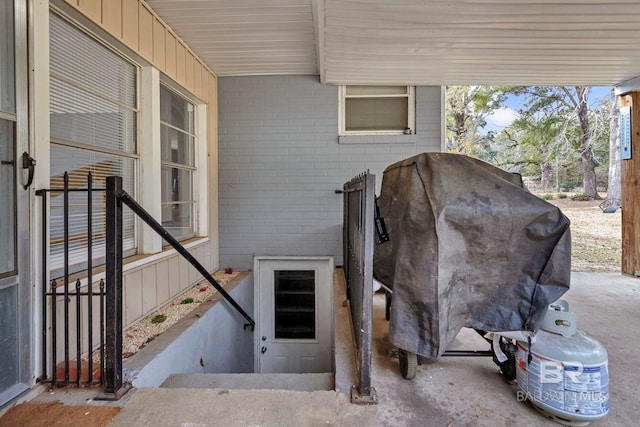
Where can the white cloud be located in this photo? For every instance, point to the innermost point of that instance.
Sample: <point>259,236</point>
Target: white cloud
<point>500,119</point>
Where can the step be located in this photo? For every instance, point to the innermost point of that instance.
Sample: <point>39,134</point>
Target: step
<point>297,382</point>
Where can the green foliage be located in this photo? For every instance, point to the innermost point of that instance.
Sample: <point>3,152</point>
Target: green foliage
<point>466,110</point>
<point>581,197</point>
<point>560,138</point>
<point>546,196</point>
<point>159,318</point>
<point>187,301</point>
<point>562,196</point>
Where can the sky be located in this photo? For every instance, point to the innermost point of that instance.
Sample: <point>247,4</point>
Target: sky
<point>503,117</point>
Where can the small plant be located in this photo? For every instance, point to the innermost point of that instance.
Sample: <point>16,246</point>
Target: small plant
<point>228,270</point>
<point>187,301</point>
<point>158,318</point>
<point>562,196</point>
<point>581,197</point>
<point>547,197</point>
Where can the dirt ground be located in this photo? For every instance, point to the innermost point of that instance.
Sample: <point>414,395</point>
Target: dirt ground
<point>55,414</point>
<point>595,236</point>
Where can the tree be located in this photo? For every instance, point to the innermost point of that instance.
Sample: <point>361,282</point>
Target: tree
<point>533,146</point>
<point>614,186</point>
<point>466,110</point>
<point>571,105</point>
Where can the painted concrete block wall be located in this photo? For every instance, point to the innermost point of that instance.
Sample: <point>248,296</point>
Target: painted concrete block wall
<point>280,162</point>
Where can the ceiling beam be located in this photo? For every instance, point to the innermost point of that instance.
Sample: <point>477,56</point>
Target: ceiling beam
<point>317,10</point>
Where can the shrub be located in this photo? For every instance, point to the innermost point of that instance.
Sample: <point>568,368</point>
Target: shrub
<point>187,301</point>
<point>547,197</point>
<point>562,196</point>
<point>580,197</point>
<point>159,318</point>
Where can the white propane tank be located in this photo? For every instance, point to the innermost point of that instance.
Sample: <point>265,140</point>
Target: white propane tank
<point>564,373</point>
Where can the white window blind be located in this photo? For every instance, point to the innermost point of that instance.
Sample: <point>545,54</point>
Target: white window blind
<point>377,109</point>
<point>93,129</point>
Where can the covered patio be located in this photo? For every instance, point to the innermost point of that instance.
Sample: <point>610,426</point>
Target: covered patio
<point>452,392</point>
<point>273,75</point>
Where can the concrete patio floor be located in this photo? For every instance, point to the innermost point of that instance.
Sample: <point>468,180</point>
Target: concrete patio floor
<point>451,392</point>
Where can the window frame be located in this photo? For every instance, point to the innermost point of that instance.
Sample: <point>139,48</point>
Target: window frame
<point>134,156</point>
<point>411,111</point>
<point>195,200</point>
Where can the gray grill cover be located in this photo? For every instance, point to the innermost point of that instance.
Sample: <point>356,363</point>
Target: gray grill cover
<point>468,247</point>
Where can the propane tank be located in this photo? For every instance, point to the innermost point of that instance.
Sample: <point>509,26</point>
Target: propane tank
<point>563,372</point>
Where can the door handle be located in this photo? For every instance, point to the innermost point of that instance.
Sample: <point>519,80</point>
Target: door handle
<point>29,163</point>
<point>263,350</point>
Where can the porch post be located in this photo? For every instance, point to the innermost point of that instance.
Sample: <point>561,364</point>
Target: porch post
<point>113,342</point>
<point>630,177</point>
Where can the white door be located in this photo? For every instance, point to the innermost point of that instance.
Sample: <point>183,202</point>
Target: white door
<point>15,345</point>
<point>294,313</point>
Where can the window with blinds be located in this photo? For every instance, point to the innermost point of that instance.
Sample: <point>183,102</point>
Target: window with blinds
<point>94,120</point>
<point>377,109</point>
<point>177,145</point>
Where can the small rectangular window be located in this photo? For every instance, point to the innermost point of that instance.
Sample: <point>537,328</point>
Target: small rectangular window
<point>377,110</point>
<point>295,304</point>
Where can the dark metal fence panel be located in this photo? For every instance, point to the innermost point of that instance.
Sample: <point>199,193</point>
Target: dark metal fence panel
<point>67,310</point>
<point>359,232</point>
<point>110,296</point>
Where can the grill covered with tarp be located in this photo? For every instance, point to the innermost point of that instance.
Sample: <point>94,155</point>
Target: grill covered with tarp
<point>468,246</point>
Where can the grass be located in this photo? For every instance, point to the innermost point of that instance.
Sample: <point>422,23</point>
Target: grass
<point>158,318</point>
<point>581,197</point>
<point>596,244</point>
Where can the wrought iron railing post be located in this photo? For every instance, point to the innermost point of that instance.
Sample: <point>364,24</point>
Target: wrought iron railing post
<point>44,281</point>
<point>90,276</point>
<point>367,223</point>
<point>359,197</point>
<point>113,342</point>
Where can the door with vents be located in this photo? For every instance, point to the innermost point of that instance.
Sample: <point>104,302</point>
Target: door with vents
<point>294,314</point>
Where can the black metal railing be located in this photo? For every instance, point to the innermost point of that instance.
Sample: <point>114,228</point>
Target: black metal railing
<point>358,230</point>
<point>115,197</point>
<point>68,293</point>
<point>57,369</point>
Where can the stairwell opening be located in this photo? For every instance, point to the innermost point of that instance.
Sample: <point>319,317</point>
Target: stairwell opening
<point>211,349</point>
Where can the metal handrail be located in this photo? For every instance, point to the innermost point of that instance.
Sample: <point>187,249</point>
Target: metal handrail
<point>116,196</point>
<point>158,228</point>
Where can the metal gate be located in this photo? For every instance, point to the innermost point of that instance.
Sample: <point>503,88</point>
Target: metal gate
<point>73,313</point>
<point>358,229</point>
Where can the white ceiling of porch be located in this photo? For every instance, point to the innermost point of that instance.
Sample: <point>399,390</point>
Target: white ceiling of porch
<point>426,42</point>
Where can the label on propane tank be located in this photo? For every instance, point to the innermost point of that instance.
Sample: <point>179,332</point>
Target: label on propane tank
<point>570,387</point>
